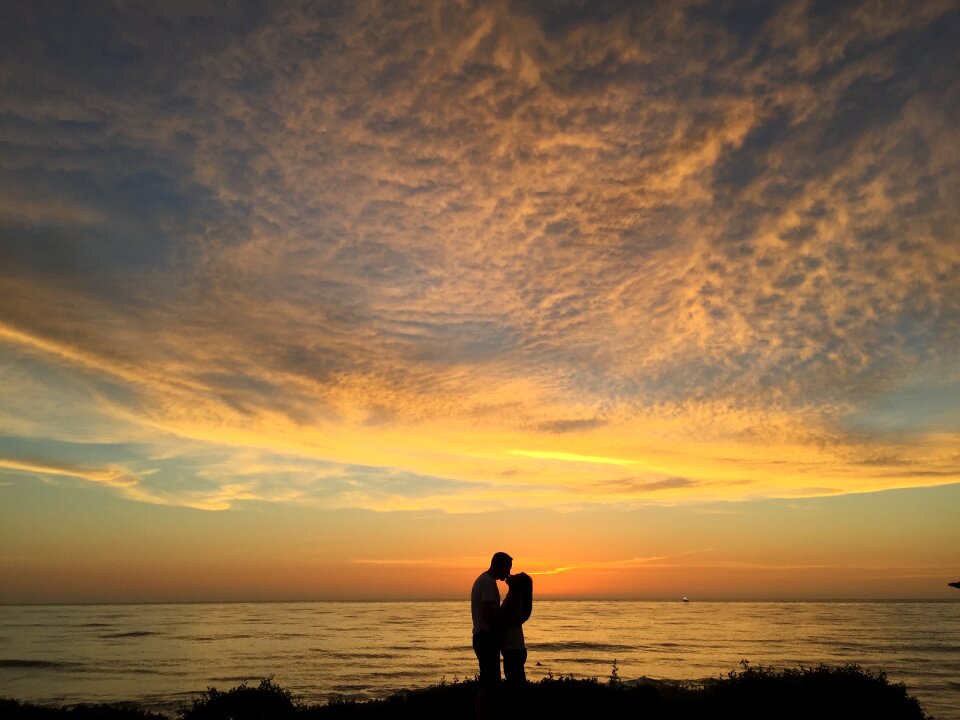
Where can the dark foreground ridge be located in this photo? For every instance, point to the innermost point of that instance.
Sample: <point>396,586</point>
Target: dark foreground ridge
<point>844,693</point>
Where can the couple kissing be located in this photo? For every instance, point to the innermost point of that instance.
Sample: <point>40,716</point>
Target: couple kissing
<point>499,628</point>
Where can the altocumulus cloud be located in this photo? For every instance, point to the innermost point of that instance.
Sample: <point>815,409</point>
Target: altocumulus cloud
<point>404,240</point>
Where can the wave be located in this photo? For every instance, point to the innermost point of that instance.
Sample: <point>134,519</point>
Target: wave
<point>346,655</point>
<point>132,633</point>
<point>154,671</point>
<point>585,661</point>
<point>393,674</point>
<point>953,649</point>
<point>361,656</point>
<point>353,687</point>
<point>215,638</point>
<point>579,645</point>
<point>39,664</point>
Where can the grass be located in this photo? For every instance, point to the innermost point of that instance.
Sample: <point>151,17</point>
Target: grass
<point>823,693</point>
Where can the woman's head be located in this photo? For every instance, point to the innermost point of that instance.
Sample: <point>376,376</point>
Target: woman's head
<point>519,581</point>
<point>522,585</point>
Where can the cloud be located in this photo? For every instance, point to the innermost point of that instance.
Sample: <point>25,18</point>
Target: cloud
<point>635,562</point>
<point>644,485</point>
<point>707,245</point>
<point>110,477</point>
<point>574,425</point>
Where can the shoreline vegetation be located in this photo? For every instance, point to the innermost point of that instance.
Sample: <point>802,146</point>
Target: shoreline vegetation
<point>826,693</point>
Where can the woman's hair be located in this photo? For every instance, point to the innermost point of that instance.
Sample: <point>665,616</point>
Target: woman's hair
<point>522,584</point>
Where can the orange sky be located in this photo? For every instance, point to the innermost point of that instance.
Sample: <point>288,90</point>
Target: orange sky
<point>320,302</point>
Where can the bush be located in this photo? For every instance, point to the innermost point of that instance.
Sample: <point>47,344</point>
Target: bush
<point>267,701</point>
<point>14,710</point>
<point>823,692</point>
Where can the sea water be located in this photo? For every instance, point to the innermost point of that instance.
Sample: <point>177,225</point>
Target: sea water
<point>162,655</point>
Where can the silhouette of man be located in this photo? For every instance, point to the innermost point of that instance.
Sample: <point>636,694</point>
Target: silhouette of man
<point>485,609</point>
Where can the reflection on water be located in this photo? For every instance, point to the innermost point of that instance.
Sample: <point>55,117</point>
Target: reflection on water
<point>160,655</point>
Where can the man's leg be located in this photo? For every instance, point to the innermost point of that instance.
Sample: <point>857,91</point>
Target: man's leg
<point>488,657</point>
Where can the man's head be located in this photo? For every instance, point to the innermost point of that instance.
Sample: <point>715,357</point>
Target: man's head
<point>500,565</point>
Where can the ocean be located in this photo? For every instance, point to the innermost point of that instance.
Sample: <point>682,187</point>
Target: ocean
<point>162,655</point>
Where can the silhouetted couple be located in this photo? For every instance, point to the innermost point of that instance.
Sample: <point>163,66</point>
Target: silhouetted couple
<point>499,628</point>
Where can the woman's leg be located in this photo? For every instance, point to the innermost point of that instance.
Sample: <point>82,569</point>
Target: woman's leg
<point>513,662</point>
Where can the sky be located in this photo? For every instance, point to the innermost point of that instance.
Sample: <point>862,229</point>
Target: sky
<point>332,300</point>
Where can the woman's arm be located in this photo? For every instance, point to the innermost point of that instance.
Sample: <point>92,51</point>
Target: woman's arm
<point>510,610</point>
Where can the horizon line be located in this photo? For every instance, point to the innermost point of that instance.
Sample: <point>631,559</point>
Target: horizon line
<point>552,598</point>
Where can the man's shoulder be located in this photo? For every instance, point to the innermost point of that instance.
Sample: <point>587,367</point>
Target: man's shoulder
<point>485,589</point>
<point>484,578</point>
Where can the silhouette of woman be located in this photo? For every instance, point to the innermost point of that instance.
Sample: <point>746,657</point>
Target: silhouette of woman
<point>514,612</point>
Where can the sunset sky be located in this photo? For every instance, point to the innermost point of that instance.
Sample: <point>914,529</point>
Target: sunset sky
<point>334,299</point>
